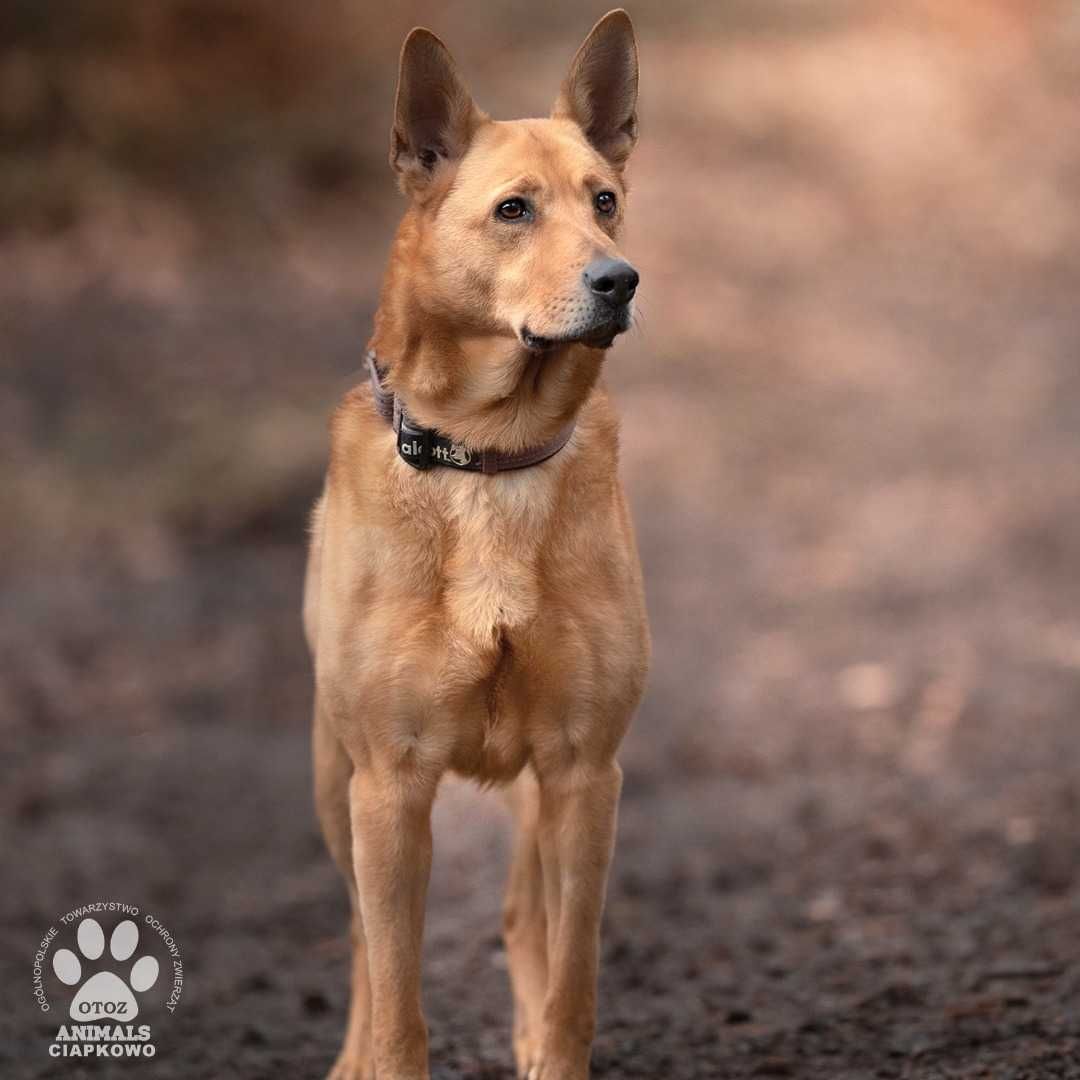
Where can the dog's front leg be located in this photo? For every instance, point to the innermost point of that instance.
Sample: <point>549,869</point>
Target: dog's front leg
<point>391,824</point>
<point>578,807</point>
<point>525,923</point>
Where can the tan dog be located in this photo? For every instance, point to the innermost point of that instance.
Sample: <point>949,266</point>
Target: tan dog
<point>488,622</point>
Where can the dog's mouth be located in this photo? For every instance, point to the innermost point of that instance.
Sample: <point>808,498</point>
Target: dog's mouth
<point>596,337</point>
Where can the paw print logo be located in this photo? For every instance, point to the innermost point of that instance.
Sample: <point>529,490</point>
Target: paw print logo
<point>105,996</point>
<point>459,455</point>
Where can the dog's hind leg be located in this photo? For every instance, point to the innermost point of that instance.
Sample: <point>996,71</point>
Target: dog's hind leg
<point>333,770</point>
<point>525,922</point>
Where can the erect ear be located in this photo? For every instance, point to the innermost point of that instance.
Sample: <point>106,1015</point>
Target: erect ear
<point>600,92</point>
<point>434,114</point>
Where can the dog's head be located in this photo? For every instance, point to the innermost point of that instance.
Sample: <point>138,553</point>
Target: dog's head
<point>517,222</point>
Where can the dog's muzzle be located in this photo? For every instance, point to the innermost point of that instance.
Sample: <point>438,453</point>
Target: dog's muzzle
<point>610,285</point>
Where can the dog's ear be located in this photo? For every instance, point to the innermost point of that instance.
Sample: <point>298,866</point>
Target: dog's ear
<point>600,92</point>
<point>434,113</point>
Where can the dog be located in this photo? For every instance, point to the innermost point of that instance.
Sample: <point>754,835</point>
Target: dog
<point>473,598</point>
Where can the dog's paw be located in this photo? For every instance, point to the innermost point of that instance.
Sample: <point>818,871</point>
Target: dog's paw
<point>349,1067</point>
<point>542,1070</point>
<point>526,1053</point>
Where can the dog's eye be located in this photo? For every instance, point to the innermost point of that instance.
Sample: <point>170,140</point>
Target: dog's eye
<point>512,209</point>
<point>605,202</point>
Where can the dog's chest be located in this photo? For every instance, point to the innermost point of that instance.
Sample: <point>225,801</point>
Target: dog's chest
<point>489,587</point>
<point>490,572</point>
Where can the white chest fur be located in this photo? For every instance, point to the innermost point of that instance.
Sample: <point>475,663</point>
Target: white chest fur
<point>491,573</point>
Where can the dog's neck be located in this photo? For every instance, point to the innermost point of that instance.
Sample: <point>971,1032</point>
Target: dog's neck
<point>475,384</point>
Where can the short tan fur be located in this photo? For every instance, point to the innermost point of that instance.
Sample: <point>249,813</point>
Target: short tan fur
<point>492,626</point>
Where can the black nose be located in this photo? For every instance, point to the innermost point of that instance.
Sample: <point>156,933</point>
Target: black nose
<point>612,279</point>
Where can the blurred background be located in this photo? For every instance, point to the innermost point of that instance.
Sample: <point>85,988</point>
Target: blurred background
<point>849,843</point>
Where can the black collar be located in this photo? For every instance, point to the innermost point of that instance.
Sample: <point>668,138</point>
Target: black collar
<point>423,447</point>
